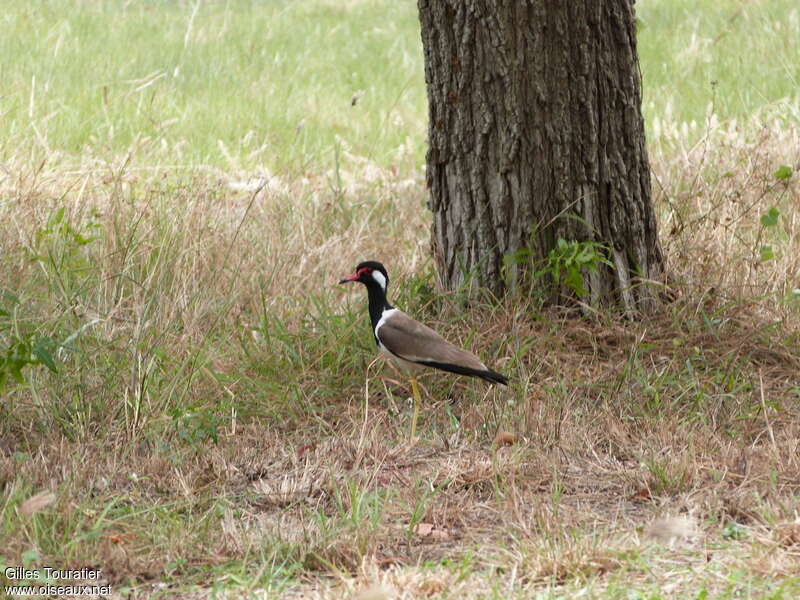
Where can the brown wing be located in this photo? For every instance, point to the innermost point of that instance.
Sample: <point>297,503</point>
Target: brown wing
<point>404,337</point>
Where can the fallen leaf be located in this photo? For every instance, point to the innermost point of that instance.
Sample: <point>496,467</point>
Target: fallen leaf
<point>301,450</point>
<point>672,529</point>
<point>432,586</point>
<point>429,531</point>
<point>118,538</point>
<point>505,438</point>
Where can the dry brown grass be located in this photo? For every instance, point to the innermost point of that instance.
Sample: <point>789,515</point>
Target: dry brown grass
<point>364,507</point>
<point>660,453</point>
<point>713,195</point>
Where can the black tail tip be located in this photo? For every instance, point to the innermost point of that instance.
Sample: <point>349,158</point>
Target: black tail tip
<point>495,377</point>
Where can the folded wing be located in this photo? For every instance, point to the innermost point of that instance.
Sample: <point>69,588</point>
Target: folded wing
<point>412,341</point>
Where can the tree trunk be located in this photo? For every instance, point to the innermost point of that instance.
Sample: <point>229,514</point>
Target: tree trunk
<point>535,118</point>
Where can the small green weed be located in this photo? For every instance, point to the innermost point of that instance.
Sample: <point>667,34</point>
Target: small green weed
<point>568,262</point>
<point>21,345</point>
<point>566,265</point>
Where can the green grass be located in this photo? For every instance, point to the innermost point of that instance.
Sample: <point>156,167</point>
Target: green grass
<point>233,84</point>
<point>243,84</point>
<point>215,423</point>
<point>741,56</point>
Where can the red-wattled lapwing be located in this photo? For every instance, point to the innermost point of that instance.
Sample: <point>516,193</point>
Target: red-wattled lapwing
<point>409,343</point>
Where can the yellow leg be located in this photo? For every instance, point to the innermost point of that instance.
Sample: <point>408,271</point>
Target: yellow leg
<point>417,402</point>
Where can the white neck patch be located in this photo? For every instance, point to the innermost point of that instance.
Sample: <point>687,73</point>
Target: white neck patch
<point>378,276</point>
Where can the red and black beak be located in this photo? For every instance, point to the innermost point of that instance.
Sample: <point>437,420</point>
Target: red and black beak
<point>357,275</point>
<point>353,277</point>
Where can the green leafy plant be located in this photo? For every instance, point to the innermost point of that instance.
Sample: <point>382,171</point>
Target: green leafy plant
<point>60,247</point>
<point>566,264</point>
<point>196,425</point>
<point>569,261</point>
<point>734,531</point>
<point>769,220</point>
<point>784,172</point>
<point>20,345</point>
<point>60,234</point>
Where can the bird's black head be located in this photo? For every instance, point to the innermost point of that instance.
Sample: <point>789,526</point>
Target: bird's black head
<point>369,273</point>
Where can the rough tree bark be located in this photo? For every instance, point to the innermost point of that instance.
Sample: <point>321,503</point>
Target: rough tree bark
<point>535,116</point>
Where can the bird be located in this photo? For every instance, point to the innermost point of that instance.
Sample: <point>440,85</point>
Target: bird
<point>410,344</point>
